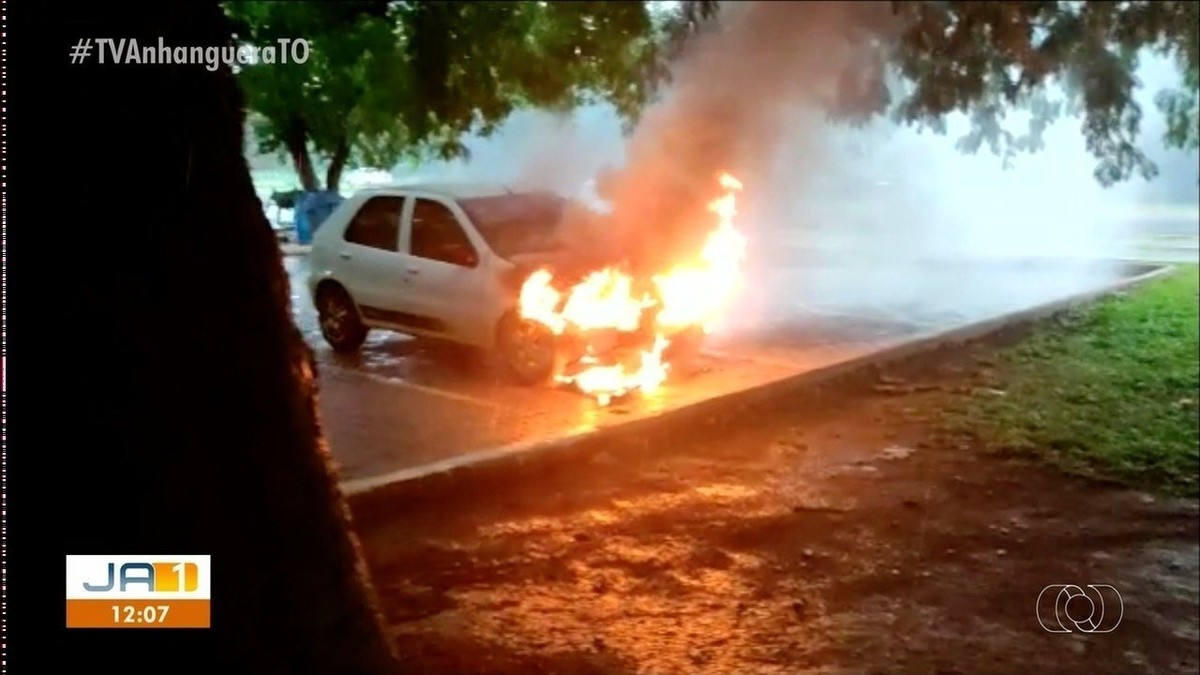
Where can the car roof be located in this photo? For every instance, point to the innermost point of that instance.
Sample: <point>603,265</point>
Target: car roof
<point>452,190</point>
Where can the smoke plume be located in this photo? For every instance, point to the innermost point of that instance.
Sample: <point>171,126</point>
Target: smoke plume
<point>752,84</point>
<point>872,221</point>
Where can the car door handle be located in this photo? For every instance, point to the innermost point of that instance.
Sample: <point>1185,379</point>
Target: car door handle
<point>412,271</point>
<point>344,256</point>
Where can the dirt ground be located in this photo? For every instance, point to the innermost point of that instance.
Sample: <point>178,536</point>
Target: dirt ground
<point>837,532</point>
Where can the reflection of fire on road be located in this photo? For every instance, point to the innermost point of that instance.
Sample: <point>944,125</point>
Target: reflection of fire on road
<point>690,295</point>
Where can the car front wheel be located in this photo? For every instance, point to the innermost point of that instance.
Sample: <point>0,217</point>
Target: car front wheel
<point>341,326</point>
<point>527,349</point>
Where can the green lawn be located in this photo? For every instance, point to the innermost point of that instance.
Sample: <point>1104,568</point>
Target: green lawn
<point>1112,390</point>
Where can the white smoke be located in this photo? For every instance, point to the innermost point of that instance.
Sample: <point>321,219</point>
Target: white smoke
<point>536,149</point>
<point>901,223</point>
<point>880,220</point>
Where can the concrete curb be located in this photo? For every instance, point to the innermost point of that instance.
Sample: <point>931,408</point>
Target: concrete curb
<point>518,455</point>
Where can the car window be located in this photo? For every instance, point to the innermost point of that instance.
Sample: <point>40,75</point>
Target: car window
<point>377,224</point>
<point>437,235</point>
<point>517,223</point>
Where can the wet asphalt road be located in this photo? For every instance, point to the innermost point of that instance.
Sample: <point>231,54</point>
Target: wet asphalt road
<point>397,407</point>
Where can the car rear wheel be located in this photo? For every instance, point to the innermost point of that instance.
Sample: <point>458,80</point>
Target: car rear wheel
<point>341,326</point>
<point>528,350</point>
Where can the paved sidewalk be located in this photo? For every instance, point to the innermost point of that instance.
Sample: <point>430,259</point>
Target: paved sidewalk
<point>386,430</point>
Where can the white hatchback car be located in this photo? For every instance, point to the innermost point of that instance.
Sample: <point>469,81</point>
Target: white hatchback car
<point>437,261</point>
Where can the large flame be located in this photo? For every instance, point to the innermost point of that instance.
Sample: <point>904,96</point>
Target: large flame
<point>694,293</point>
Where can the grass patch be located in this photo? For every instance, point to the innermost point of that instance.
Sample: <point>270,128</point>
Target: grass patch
<point>1112,388</point>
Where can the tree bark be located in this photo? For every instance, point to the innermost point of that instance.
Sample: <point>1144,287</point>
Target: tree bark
<point>296,140</point>
<point>190,424</point>
<point>337,162</point>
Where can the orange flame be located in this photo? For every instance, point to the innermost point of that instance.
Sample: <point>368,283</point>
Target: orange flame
<point>694,293</point>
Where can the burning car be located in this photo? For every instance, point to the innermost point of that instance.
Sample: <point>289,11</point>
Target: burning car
<point>486,267</point>
<point>623,329</point>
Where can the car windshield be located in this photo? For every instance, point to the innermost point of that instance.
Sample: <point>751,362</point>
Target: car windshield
<point>514,224</point>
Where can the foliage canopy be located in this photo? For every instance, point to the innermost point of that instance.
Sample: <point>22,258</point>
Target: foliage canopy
<point>388,80</point>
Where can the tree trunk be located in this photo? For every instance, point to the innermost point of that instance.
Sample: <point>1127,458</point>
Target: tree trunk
<point>189,423</point>
<point>296,140</point>
<point>337,162</point>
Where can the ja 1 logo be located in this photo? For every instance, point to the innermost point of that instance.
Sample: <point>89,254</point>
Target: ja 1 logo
<point>1067,608</point>
<point>138,591</point>
<point>152,577</point>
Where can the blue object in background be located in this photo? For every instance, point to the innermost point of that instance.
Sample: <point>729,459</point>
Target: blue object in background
<point>312,208</point>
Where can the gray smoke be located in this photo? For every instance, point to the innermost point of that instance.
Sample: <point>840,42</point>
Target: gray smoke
<point>536,149</point>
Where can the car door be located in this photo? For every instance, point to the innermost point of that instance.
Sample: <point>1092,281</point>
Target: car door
<point>445,268</point>
<point>370,263</point>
